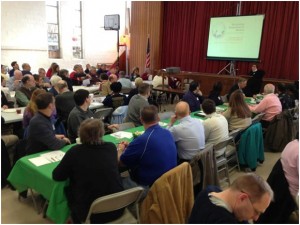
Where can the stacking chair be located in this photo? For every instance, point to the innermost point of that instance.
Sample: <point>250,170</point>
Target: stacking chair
<point>117,102</point>
<point>103,113</point>
<point>119,114</point>
<point>231,151</point>
<point>126,90</point>
<point>258,118</point>
<point>221,161</point>
<point>117,201</point>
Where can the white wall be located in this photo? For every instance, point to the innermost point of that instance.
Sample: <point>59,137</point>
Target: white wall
<point>24,33</point>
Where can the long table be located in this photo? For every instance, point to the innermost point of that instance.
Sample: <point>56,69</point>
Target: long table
<point>13,117</point>
<point>26,175</point>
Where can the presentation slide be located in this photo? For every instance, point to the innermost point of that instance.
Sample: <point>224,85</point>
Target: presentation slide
<point>235,37</point>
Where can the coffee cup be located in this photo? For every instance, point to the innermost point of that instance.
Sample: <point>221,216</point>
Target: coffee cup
<point>19,111</point>
<point>78,141</point>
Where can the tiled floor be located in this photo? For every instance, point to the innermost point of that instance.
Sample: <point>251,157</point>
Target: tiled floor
<point>15,211</point>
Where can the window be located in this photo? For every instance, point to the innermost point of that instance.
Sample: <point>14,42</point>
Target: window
<point>77,31</point>
<point>53,29</point>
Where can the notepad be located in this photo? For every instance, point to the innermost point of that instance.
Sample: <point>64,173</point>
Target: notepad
<point>39,161</point>
<point>122,134</point>
<point>54,156</point>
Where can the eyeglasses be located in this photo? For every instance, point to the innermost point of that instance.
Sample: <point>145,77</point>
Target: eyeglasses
<point>256,212</point>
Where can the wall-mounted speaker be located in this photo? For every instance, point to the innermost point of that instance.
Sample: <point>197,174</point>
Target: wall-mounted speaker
<point>112,22</point>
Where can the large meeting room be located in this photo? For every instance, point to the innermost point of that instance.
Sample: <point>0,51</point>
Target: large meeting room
<point>164,112</point>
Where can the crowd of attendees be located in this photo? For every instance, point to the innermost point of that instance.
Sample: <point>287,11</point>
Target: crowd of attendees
<point>56,116</point>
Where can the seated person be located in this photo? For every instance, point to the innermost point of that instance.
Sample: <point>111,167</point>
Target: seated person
<point>138,81</point>
<point>270,105</point>
<point>104,85</point>
<point>287,102</point>
<point>150,155</point>
<point>14,82</point>
<point>94,162</point>
<point>194,96</point>
<point>246,198</point>
<point>41,135</point>
<point>146,74</point>
<point>64,102</point>
<point>115,99</point>
<point>158,79</point>
<point>238,113</point>
<point>136,103</point>
<point>126,83</point>
<point>54,80</point>
<point>101,68</point>
<point>31,108</point>
<point>242,82</point>
<point>188,134</point>
<point>64,74</point>
<point>78,75</point>
<point>215,126</point>
<point>135,73</point>
<point>23,94</point>
<point>6,100</point>
<point>79,113</point>
<point>215,93</point>
<point>94,76</point>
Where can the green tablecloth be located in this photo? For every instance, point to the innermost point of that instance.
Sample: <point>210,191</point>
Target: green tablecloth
<point>26,175</point>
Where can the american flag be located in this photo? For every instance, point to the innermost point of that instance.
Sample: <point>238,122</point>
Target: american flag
<point>147,63</point>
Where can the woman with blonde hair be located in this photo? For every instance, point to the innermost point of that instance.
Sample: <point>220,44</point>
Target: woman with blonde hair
<point>238,113</point>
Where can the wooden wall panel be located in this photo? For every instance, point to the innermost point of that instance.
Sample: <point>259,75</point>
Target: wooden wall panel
<point>146,18</point>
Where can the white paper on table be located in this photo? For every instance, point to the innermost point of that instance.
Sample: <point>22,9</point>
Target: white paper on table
<point>39,161</point>
<point>219,109</point>
<point>162,124</point>
<point>122,134</point>
<point>54,156</point>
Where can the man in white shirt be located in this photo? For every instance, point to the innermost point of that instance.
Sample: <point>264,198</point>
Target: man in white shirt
<point>216,125</point>
<point>188,134</point>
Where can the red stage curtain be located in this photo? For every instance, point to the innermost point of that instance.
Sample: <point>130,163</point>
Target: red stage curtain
<point>186,27</point>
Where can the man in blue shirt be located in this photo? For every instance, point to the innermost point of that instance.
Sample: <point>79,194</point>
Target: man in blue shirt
<point>194,96</point>
<point>152,154</point>
<point>188,134</point>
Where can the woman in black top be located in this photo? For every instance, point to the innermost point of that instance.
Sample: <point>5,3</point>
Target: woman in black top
<point>92,168</point>
<point>215,93</point>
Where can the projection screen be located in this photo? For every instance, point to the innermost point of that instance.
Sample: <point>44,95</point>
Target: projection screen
<point>235,37</point>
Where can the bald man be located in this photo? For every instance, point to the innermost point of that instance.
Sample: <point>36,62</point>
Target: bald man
<point>23,94</point>
<point>188,134</point>
<point>14,82</point>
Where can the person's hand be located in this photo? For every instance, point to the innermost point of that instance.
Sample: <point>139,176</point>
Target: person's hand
<point>4,107</point>
<point>121,147</point>
<point>200,92</point>
<point>67,140</point>
<point>59,136</point>
<point>116,126</point>
<point>125,143</point>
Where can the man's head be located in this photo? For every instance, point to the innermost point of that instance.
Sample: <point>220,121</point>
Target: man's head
<point>116,87</point>
<point>103,66</point>
<point>81,97</point>
<point>42,72</point>
<point>54,80</point>
<point>269,88</point>
<point>62,86</point>
<point>144,89</point>
<point>15,65</point>
<point>26,66</point>
<point>208,106</point>
<point>138,81</point>
<point>252,196</point>
<point>78,68</point>
<point>93,70</point>
<point>254,68</point>
<point>121,74</point>
<point>28,81</point>
<point>103,76</point>
<point>45,102</point>
<point>3,69</point>
<point>38,79</point>
<point>63,73</point>
<point>182,109</point>
<point>242,82</point>
<point>113,78</point>
<point>149,115</point>
<point>18,75</point>
<point>194,86</point>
